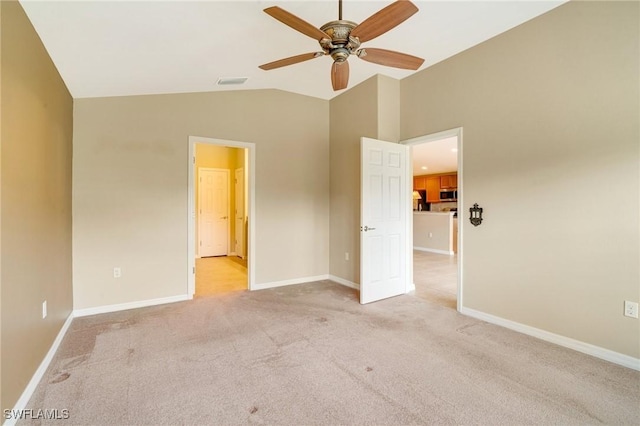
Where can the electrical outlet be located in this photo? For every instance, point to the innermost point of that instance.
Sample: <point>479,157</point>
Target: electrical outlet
<point>346,255</point>
<point>44,309</point>
<point>117,272</point>
<point>430,234</point>
<point>630,309</point>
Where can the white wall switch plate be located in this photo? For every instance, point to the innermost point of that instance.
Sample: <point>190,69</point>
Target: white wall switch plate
<point>346,256</point>
<point>117,272</point>
<point>630,309</point>
<point>44,309</point>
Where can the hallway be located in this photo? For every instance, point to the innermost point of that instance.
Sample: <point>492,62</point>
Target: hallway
<point>218,275</point>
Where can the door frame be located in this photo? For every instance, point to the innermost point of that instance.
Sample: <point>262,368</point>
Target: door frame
<point>250,181</point>
<point>244,203</point>
<point>227,172</point>
<point>457,132</point>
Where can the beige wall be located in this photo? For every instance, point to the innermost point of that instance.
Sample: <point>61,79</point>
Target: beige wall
<point>388,109</point>
<point>130,188</point>
<point>370,109</point>
<point>551,117</point>
<point>219,157</point>
<point>439,225</point>
<point>354,114</point>
<point>36,201</point>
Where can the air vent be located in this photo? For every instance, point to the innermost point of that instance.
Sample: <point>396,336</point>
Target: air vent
<point>231,81</point>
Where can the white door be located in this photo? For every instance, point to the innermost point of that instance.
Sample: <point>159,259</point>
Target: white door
<point>385,203</point>
<point>239,192</point>
<point>213,223</point>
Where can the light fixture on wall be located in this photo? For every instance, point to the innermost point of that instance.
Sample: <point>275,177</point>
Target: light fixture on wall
<point>475,215</point>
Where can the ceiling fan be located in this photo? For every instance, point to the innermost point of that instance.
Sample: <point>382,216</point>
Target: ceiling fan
<point>341,38</point>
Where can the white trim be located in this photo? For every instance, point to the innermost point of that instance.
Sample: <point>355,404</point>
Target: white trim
<point>567,342</point>
<point>457,132</point>
<point>411,287</point>
<point>293,281</point>
<point>233,253</point>
<point>448,253</point>
<point>129,305</point>
<point>344,282</point>
<point>39,374</point>
<point>250,214</point>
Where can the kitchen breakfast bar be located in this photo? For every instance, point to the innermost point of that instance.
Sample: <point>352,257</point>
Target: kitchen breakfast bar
<point>435,232</point>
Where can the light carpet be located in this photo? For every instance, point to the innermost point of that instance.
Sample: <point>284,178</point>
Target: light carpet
<point>311,354</point>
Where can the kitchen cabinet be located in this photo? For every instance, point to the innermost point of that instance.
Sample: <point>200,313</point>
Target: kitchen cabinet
<point>419,182</point>
<point>449,181</point>
<point>433,189</point>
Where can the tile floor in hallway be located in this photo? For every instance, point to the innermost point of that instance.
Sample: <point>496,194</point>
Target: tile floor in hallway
<point>218,275</point>
<point>435,276</point>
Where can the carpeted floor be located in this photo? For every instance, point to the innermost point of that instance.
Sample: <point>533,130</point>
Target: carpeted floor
<point>310,354</point>
<point>436,277</point>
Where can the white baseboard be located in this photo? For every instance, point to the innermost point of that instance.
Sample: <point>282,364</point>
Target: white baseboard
<point>567,342</point>
<point>411,287</point>
<point>130,305</point>
<point>37,376</point>
<point>344,282</point>
<point>233,253</point>
<point>303,280</point>
<point>430,250</point>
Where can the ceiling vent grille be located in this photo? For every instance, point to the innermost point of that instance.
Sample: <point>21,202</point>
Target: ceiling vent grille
<point>231,81</point>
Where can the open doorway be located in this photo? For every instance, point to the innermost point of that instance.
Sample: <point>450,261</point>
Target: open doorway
<point>437,194</point>
<point>220,216</point>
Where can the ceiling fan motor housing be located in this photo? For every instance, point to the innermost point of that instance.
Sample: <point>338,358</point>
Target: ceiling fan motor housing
<point>341,44</point>
<point>340,54</point>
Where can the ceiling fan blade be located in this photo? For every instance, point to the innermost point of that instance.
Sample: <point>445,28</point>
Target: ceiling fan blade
<point>290,61</point>
<point>296,23</point>
<point>340,75</point>
<point>384,20</point>
<point>390,58</point>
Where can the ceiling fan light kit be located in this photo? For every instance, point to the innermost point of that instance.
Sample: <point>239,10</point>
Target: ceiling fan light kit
<point>340,39</point>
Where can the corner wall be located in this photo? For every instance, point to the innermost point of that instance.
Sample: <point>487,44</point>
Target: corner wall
<point>36,137</point>
<point>550,112</point>
<point>370,109</point>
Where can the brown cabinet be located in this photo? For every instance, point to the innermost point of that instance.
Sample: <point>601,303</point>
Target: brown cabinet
<point>434,183</point>
<point>449,181</point>
<point>419,182</point>
<point>433,189</point>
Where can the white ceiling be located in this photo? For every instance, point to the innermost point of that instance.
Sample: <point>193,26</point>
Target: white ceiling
<point>437,156</point>
<point>115,48</point>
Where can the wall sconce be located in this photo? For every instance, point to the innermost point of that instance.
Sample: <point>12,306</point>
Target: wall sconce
<point>475,215</point>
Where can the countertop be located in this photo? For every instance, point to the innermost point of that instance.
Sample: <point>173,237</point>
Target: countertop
<point>439,213</point>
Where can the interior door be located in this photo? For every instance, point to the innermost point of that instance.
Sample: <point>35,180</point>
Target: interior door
<point>213,223</point>
<point>239,192</point>
<point>385,204</point>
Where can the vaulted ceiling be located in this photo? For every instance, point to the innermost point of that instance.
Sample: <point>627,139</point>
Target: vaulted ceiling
<point>115,48</point>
